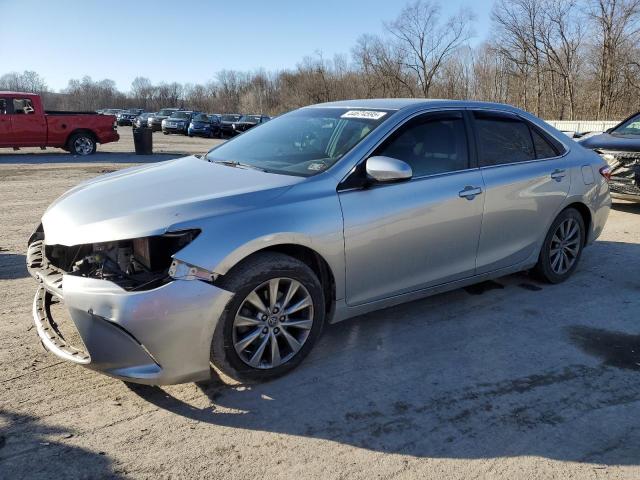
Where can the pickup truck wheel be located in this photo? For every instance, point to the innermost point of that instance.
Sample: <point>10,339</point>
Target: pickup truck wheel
<point>82,144</point>
<point>272,321</point>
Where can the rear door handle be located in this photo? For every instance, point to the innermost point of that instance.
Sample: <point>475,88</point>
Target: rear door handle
<point>558,174</point>
<point>470,192</point>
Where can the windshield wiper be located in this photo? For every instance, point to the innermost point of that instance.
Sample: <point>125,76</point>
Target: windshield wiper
<point>233,163</point>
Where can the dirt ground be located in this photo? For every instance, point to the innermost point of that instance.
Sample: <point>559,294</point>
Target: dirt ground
<point>514,379</point>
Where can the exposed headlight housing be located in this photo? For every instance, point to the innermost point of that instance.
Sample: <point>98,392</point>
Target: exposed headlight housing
<point>180,270</point>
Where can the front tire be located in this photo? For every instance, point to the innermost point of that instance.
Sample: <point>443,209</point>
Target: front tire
<point>273,320</point>
<point>82,144</point>
<point>562,247</point>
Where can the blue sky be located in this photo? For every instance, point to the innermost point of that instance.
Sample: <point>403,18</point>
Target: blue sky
<point>187,40</point>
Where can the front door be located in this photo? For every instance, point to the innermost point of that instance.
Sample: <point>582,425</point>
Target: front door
<point>422,232</point>
<point>29,128</point>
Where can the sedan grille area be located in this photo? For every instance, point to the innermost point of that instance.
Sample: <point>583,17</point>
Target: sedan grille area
<point>136,264</point>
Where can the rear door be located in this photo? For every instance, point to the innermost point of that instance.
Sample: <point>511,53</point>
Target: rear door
<point>29,128</point>
<point>5,123</point>
<point>419,233</point>
<point>526,181</point>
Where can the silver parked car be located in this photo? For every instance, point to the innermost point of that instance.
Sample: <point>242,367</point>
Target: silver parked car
<point>238,259</point>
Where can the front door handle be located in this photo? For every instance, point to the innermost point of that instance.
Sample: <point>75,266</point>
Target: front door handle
<point>558,174</point>
<point>470,192</point>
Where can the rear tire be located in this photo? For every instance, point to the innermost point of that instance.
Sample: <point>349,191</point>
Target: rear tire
<point>257,277</point>
<point>82,144</point>
<point>562,248</point>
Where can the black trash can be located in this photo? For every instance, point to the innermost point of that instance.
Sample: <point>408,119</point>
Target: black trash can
<point>143,140</point>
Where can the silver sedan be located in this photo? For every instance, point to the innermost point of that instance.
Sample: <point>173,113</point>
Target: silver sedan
<point>238,259</point>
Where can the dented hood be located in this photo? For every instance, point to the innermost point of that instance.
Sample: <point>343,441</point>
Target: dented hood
<point>150,199</point>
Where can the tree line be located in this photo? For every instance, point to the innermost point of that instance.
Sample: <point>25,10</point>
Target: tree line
<point>560,59</point>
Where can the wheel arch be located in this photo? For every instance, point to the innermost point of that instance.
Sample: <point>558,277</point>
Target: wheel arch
<point>81,130</point>
<point>586,215</point>
<point>310,257</point>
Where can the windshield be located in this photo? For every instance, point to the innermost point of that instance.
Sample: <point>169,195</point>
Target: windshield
<point>304,142</point>
<point>231,118</point>
<point>250,118</point>
<point>166,112</point>
<point>180,115</point>
<point>201,118</point>
<point>629,127</point>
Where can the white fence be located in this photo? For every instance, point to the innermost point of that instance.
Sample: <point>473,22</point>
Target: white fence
<point>583,126</point>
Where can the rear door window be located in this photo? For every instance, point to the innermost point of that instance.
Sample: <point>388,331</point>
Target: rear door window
<point>3,106</point>
<point>502,139</point>
<point>544,149</point>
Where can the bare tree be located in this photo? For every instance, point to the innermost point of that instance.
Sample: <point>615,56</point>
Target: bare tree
<point>618,28</point>
<point>427,43</point>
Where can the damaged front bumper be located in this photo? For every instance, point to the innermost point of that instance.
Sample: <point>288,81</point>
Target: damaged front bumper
<point>158,336</point>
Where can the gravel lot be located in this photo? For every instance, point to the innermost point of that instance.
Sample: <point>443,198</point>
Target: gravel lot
<point>514,379</point>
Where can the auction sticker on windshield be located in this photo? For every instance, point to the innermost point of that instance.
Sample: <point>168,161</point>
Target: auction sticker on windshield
<point>368,114</point>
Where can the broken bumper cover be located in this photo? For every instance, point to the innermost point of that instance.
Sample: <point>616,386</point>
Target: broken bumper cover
<point>625,174</point>
<point>159,336</point>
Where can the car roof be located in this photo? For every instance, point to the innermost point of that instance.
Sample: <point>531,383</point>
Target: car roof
<point>402,103</point>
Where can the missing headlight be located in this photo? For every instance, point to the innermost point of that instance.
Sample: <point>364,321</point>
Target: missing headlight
<point>135,264</point>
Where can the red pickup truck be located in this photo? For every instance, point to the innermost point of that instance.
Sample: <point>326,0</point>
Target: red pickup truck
<point>24,123</point>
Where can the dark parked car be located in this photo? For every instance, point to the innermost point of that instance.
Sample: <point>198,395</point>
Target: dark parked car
<point>178,122</point>
<point>248,121</point>
<point>227,123</point>
<point>127,117</point>
<point>155,122</point>
<point>203,125</point>
<point>620,148</point>
<point>142,120</point>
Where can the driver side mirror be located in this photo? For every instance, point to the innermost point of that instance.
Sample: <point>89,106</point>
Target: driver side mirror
<point>388,170</point>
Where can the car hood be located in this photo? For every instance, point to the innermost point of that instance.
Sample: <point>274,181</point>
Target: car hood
<point>606,141</point>
<point>153,199</point>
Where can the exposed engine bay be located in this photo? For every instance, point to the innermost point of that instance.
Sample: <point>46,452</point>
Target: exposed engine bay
<point>135,264</point>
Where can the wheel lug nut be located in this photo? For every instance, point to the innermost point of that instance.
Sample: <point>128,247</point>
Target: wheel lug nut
<point>264,318</point>
<point>276,330</point>
<point>265,330</point>
<point>282,318</point>
<point>275,310</point>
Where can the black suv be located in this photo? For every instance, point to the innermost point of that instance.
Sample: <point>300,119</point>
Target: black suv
<point>155,122</point>
<point>178,122</point>
<point>620,148</point>
<point>249,121</point>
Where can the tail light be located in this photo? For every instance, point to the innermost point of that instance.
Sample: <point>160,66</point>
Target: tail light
<point>606,172</point>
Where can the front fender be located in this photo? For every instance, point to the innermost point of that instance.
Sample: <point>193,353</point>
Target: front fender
<point>314,222</point>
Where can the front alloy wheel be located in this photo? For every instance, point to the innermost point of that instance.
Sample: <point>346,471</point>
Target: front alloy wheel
<point>273,320</point>
<point>273,323</point>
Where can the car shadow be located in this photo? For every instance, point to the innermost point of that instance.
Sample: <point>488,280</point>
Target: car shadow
<point>12,266</point>
<point>99,157</point>
<point>36,452</point>
<point>504,371</point>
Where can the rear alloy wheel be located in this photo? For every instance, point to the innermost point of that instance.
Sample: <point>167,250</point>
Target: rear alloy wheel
<point>82,144</point>
<point>562,247</point>
<point>273,320</point>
